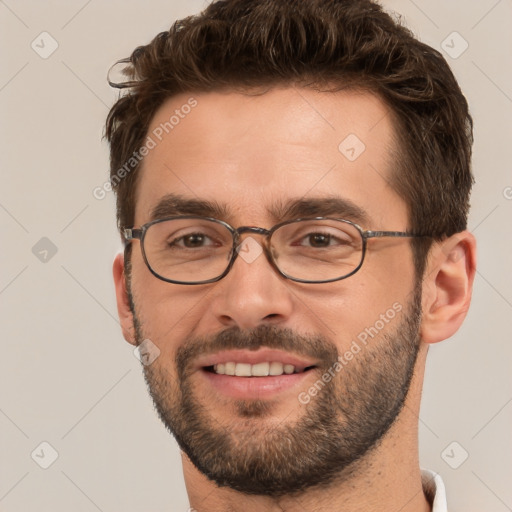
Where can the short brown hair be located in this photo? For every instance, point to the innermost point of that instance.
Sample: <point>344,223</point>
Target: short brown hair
<point>324,44</point>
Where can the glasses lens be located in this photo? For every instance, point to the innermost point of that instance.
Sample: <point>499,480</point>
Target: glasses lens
<point>188,250</point>
<point>317,250</point>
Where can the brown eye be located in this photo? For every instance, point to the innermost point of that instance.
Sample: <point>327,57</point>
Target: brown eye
<point>194,240</point>
<point>319,240</point>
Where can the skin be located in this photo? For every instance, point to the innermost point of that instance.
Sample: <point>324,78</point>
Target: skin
<point>249,152</point>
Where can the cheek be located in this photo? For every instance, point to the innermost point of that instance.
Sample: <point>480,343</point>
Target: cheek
<point>374,296</point>
<point>165,311</point>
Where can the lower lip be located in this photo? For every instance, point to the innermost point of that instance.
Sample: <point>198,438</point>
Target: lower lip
<point>254,387</point>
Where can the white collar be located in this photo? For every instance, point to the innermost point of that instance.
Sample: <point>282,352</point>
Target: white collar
<point>434,490</point>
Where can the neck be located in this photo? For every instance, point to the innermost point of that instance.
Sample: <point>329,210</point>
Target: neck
<point>388,478</point>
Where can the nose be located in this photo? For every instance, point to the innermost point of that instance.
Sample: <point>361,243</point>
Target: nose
<point>252,293</point>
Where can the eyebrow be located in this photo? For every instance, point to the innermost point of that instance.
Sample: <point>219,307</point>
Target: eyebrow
<point>331,206</point>
<point>173,204</point>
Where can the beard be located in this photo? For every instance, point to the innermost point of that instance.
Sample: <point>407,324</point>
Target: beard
<point>334,432</point>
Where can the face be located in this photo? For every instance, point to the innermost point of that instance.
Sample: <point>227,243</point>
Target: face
<point>342,352</point>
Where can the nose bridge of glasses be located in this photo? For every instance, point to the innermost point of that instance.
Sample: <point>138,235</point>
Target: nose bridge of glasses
<point>264,244</point>
<point>252,230</point>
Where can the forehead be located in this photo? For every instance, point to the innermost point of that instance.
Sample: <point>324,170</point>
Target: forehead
<point>250,153</point>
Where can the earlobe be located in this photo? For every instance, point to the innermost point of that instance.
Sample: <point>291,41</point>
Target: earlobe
<point>447,286</point>
<point>123,302</point>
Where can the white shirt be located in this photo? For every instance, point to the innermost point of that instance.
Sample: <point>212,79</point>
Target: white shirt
<point>434,490</point>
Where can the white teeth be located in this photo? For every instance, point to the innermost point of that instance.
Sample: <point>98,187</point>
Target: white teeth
<point>264,369</point>
<point>260,369</point>
<point>289,368</point>
<point>276,368</point>
<point>243,370</point>
<point>229,368</point>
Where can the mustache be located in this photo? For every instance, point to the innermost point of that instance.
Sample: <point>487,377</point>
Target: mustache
<point>312,346</point>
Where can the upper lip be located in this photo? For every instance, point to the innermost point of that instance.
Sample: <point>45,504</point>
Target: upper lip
<point>261,355</point>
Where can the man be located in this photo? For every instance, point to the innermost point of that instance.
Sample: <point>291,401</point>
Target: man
<point>293,182</point>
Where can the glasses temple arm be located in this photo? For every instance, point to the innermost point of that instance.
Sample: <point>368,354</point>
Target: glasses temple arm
<point>130,234</point>
<point>401,234</point>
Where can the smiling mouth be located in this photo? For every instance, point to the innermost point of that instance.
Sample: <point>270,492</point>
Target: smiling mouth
<point>263,369</point>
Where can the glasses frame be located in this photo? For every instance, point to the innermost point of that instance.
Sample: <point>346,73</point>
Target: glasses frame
<point>131,234</point>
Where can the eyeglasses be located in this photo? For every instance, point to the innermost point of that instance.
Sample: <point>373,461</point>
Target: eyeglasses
<point>200,250</point>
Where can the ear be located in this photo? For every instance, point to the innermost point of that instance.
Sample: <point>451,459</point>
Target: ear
<point>447,286</point>
<point>123,303</point>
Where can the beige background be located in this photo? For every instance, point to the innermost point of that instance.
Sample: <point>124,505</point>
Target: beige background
<point>66,375</point>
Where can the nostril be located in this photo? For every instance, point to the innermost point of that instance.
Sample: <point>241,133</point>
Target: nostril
<point>227,320</point>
